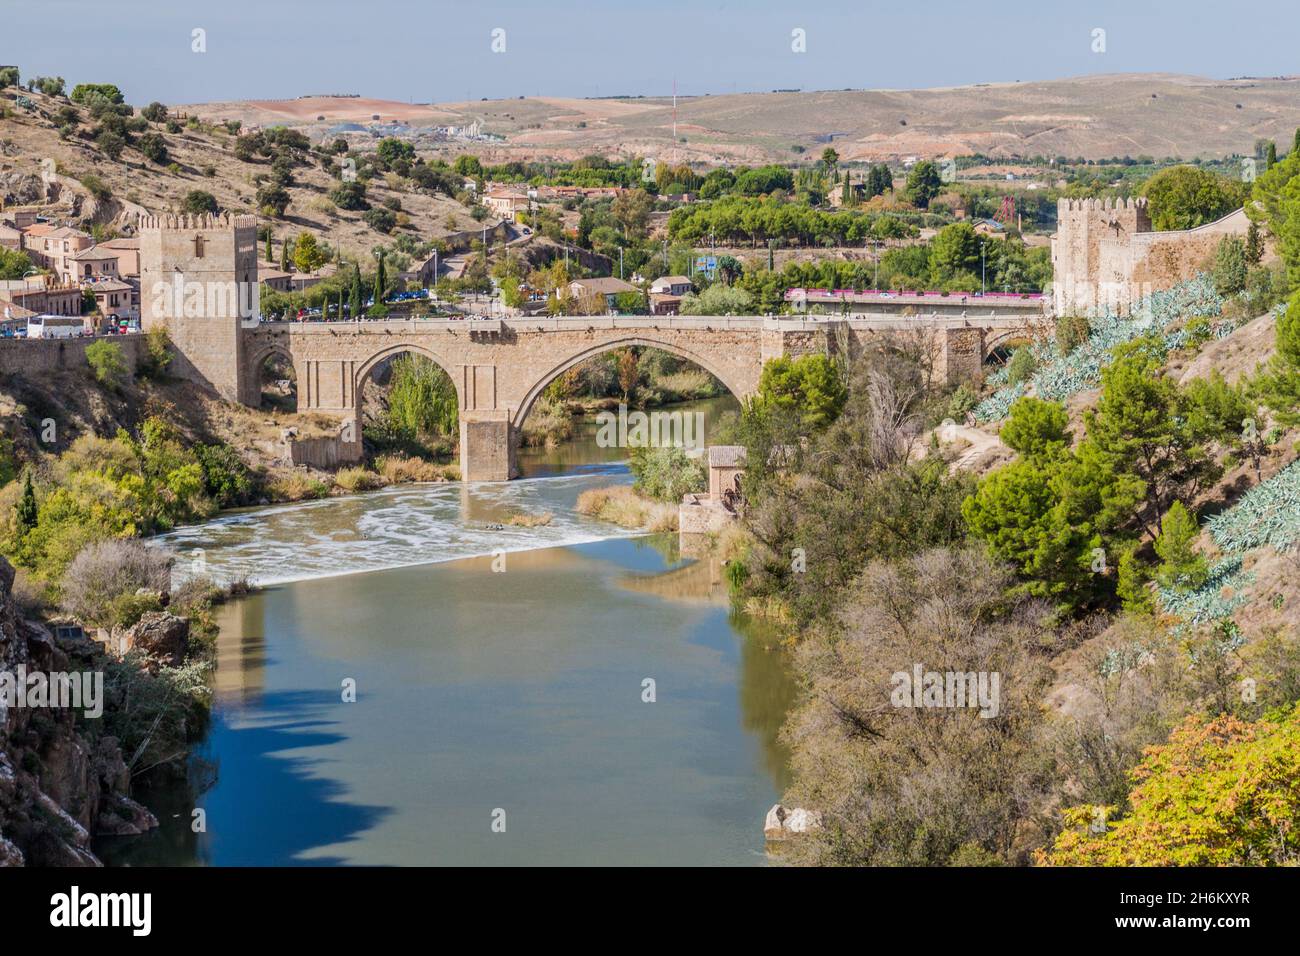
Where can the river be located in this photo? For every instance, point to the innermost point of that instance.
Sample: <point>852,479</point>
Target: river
<point>564,694</point>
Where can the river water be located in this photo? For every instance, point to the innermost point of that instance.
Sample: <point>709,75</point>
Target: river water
<point>565,694</point>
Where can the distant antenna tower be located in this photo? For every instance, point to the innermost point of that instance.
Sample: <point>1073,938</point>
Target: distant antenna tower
<point>674,109</point>
<point>1007,214</point>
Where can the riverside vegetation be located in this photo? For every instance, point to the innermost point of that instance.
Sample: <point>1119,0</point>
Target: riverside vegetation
<point>1129,574</point>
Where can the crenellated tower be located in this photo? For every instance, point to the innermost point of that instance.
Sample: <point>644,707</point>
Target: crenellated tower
<point>198,280</point>
<point>1084,276</point>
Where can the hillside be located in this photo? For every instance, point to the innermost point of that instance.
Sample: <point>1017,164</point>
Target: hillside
<point>1093,116</point>
<point>199,158</point>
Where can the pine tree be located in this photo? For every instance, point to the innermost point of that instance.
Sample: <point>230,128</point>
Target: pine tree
<point>27,511</point>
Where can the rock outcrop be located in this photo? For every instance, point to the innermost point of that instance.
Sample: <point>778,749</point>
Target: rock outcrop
<point>60,781</point>
<point>163,638</point>
<point>781,823</point>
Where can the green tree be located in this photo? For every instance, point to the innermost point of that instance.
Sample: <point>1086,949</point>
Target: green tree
<point>308,256</point>
<point>1183,197</point>
<point>1181,566</point>
<point>954,249</point>
<point>1144,428</point>
<point>1230,266</point>
<point>1037,429</point>
<point>108,362</point>
<point>198,202</point>
<point>355,304</point>
<point>923,184</point>
<point>14,264</point>
<point>809,386</point>
<point>154,148</point>
<point>27,512</point>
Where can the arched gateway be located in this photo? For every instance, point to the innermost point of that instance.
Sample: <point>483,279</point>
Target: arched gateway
<point>499,366</point>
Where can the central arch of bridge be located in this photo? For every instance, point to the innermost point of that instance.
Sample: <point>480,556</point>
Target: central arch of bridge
<point>740,389</point>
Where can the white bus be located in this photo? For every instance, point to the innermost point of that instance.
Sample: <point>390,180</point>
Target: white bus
<point>54,326</point>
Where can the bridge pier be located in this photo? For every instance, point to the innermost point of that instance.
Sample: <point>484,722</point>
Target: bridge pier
<point>487,446</point>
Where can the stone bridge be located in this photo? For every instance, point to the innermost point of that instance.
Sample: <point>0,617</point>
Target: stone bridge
<point>500,367</point>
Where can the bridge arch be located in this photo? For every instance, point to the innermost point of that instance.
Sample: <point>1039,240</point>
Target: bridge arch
<point>729,380</point>
<point>256,364</point>
<point>382,355</point>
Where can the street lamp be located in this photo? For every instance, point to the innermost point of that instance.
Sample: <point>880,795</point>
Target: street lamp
<point>982,270</point>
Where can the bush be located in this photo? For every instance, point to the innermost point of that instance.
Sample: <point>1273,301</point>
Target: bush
<point>197,202</point>
<point>666,474</point>
<point>381,220</point>
<point>1071,332</point>
<point>1022,365</point>
<point>225,477</point>
<point>158,353</point>
<point>350,196</point>
<point>357,479</point>
<point>154,148</point>
<point>108,362</point>
<point>155,112</point>
<point>100,586</point>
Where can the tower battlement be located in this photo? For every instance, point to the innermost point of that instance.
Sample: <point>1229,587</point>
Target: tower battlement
<point>191,221</point>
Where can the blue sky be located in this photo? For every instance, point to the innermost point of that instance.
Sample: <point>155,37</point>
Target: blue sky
<point>422,50</point>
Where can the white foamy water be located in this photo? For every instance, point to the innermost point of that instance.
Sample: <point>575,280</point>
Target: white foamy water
<point>396,527</point>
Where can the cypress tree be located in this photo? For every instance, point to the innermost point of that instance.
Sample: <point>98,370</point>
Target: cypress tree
<point>1270,155</point>
<point>284,256</point>
<point>270,256</point>
<point>356,290</point>
<point>379,277</point>
<point>27,510</point>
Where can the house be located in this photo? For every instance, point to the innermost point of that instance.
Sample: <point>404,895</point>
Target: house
<point>275,280</point>
<point>92,264</point>
<point>506,202</point>
<point>128,255</point>
<point>988,227</point>
<point>610,288</point>
<point>10,237</point>
<point>52,247</point>
<point>670,285</point>
<point>116,297</point>
<point>704,513</point>
<point>42,294</point>
<point>661,304</point>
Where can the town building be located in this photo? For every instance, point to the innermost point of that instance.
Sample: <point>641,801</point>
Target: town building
<point>610,288</point>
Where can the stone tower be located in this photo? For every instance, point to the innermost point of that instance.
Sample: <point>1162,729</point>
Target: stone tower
<point>198,280</point>
<point>1088,270</point>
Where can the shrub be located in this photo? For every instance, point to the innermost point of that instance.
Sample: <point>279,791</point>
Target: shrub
<point>197,202</point>
<point>357,479</point>
<point>297,487</point>
<point>154,148</point>
<point>108,362</point>
<point>666,474</point>
<point>1022,366</point>
<point>100,586</point>
<point>225,477</point>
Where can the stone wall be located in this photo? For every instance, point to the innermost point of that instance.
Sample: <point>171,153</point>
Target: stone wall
<point>1105,254</point>
<point>33,356</point>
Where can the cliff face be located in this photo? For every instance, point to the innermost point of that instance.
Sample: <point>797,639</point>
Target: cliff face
<point>61,781</point>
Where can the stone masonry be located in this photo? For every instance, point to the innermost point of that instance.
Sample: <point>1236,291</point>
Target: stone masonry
<point>192,265</point>
<point>1105,254</point>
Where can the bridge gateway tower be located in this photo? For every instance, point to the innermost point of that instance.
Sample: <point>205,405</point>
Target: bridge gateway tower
<point>198,280</point>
